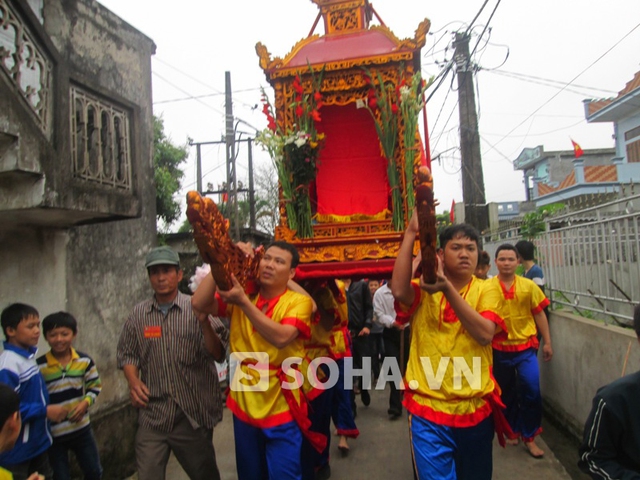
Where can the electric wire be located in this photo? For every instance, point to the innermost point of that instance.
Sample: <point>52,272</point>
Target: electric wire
<point>485,27</point>
<point>569,83</point>
<point>544,83</point>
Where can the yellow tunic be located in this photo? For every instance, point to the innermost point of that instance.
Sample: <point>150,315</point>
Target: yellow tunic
<point>516,308</point>
<point>448,379</point>
<point>340,344</point>
<point>267,406</point>
<point>329,344</point>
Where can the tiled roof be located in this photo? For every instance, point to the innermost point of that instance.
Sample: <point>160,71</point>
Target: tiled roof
<point>630,86</point>
<point>600,173</point>
<point>597,105</point>
<point>544,189</point>
<point>592,174</point>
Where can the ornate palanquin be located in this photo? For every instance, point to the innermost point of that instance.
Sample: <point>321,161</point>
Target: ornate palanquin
<point>353,233</point>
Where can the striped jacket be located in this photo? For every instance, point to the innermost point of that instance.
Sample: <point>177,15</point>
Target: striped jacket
<point>69,385</point>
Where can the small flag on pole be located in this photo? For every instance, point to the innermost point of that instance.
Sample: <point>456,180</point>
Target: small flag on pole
<point>577,149</point>
<point>452,213</point>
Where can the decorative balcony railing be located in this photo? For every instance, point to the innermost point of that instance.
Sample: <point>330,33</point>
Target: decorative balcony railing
<point>25,63</point>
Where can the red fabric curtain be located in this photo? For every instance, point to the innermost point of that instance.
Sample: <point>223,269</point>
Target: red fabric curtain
<point>352,174</point>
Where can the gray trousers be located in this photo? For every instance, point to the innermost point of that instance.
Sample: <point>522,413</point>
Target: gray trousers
<point>193,450</point>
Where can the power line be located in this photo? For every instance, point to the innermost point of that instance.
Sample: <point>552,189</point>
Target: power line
<point>194,97</point>
<point>545,82</point>
<point>187,93</point>
<point>485,27</point>
<point>197,80</point>
<point>476,17</point>
<point>238,119</point>
<point>569,83</point>
<point>182,72</point>
<point>541,133</point>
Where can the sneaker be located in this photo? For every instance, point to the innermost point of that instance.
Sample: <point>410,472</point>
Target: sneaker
<point>366,398</point>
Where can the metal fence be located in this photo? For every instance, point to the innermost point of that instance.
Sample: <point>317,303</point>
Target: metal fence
<point>590,259</point>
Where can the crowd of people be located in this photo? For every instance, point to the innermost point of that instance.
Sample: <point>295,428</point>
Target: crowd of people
<point>459,356</point>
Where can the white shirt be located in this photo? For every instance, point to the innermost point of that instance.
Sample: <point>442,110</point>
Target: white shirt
<point>383,301</point>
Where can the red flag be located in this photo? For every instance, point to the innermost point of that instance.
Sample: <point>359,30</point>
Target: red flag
<point>577,149</point>
<point>452,213</point>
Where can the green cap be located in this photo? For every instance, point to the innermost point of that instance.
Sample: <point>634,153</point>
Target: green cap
<point>162,256</point>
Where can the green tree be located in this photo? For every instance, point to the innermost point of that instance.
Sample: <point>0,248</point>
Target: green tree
<point>533,223</point>
<point>168,175</point>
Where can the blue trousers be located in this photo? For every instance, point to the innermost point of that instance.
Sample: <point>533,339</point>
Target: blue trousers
<point>518,375</point>
<point>449,453</point>
<point>341,411</point>
<point>267,453</point>
<point>320,416</point>
<point>83,445</point>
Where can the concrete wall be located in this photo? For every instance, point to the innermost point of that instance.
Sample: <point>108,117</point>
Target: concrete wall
<point>94,271</point>
<point>587,356</point>
<point>34,269</point>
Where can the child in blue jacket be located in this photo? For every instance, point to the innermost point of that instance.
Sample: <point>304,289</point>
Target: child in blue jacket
<point>18,369</point>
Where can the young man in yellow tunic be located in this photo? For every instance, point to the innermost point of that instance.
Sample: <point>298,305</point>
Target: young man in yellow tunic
<point>450,394</point>
<point>520,303</point>
<point>269,416</point>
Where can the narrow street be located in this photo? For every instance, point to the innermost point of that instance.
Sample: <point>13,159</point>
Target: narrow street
<point>382,452</point>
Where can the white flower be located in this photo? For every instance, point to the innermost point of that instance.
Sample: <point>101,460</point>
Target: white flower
<point>405,93</point>
<point>301,140</point>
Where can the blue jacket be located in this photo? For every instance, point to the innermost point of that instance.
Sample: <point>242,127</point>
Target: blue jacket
<point>18,369</point>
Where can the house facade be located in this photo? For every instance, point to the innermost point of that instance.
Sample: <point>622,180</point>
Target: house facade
<point>558,176</point>
<point>624,112</point>
<point>77,199</point>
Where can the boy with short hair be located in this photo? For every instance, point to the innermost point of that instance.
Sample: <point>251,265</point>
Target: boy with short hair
<point>18,369</point>
<point>73,382</point>
<point>10,424</point>
<point>532,271</point>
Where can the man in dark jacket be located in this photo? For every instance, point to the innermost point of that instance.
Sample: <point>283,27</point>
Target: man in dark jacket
<point>611,441</point>
<point>360,321</point>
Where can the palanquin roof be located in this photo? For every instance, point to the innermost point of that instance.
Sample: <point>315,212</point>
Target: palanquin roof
<point>358,43</point>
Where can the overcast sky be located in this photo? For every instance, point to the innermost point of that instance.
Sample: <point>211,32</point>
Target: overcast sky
<point>539,60</point>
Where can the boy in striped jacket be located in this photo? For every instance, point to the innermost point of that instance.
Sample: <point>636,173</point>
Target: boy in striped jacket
<point>73,382</point>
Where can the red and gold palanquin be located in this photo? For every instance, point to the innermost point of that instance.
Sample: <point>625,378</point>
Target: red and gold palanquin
<point>350,197</point>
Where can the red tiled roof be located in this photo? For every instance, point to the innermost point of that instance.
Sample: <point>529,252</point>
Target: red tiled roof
<point>592,174</point>
<point>630,86</point>
<point>600,173</point>
<point>597,105</point>
<point>544,189</point>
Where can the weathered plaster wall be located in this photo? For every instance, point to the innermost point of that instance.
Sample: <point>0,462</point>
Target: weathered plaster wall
<point>587,355</point>
<point>34,269</point>
<point>95,271</point>
<point>105,274</point>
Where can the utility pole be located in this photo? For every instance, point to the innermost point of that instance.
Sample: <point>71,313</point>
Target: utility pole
<point>198,168</point>
<point>252,197</point>
<point>230,138</point>
<point>225,189</point>
<point>472,176</point>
